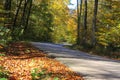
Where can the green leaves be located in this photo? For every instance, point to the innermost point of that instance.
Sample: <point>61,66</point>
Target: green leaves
<point>2,54</point>
<point>3,79</point>
<point>5,35</point>
<point>41,75</point>
<point>109,37</point>
<point>3,74</point>
<point>56,78</point>
<point>36,74</point>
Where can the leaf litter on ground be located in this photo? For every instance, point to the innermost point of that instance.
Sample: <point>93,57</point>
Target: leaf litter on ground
<point>22,59</point>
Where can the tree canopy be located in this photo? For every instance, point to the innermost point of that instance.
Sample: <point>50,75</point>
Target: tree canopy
<point>92,23</point>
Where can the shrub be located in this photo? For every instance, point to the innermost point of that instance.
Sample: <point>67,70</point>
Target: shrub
<point>3,74</point>
<point>109,38</point>
<point>41,75</point>
<point>4,35</point>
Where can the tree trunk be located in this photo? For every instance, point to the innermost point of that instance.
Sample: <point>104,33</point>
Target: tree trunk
<point>28,15</point>
<point>85,23</point>
<point>16,15</point>
<point>78,23</point>
<point>7,5</point>
<point>85,16</point>
<point>22,22</point>
<point>79,11</point>
<point>7,8</point>
<point>15,19</point>
<point>94,28</point>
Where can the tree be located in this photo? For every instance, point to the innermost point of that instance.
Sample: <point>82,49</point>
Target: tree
<point>7,8</point>
<point>7,5</point>
<point>94,28</point>
<point>41,21</point>
<point>79,11</point>
<point>28,14</point>
<point>78,23</point>
<point>109,20</point>
<point>15,20</point>
<point>23,17</point>
<point>85,23</point>
<point>20,23</point>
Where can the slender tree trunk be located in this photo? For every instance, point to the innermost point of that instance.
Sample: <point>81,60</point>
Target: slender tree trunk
<point>22,22</point>
<point>15,19</point>
<point>79,11</point>
<point>81,2</point>
<point>7,5</point>
<point>16,15</point>
<point>28,15</point>
<point>94,28</point>
<point>85,16</point>
<point>85,23</point>
<point>78,23</point>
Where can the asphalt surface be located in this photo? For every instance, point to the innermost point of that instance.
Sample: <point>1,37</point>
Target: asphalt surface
<point>91,67</point>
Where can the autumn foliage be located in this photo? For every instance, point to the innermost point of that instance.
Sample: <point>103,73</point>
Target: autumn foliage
<point>24,62</point>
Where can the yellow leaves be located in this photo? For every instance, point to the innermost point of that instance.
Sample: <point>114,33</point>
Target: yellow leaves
<point>108,15</point>
<point>1,47</point>
<point>37,2</point>
<point>109,36</point>
<point>111,21</point>
<point>103,43</point>
<point>101,36</point>
<point>114,6</point>
<point>102,40</point>
<point>2,19</point>
<point>58,5</point>
<point>31,63</point>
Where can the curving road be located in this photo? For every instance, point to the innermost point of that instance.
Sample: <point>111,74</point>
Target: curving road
<point>90,66</point>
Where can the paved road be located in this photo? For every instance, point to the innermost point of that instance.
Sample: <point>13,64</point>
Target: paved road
<point>90,66</point>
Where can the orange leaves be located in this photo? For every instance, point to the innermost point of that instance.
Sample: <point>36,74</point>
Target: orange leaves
<point>1,47</point>
<point>20,66</point>
<point>12,78</point>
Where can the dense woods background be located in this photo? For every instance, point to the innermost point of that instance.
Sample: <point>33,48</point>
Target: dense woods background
<point>93,24</point>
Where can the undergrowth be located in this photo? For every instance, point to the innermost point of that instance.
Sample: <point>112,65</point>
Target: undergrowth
<point>42,75</point>
<point>4,75</point>
<point>101,51</point>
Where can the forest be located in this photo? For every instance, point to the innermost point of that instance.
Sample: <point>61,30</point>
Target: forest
<point>93,26</point>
